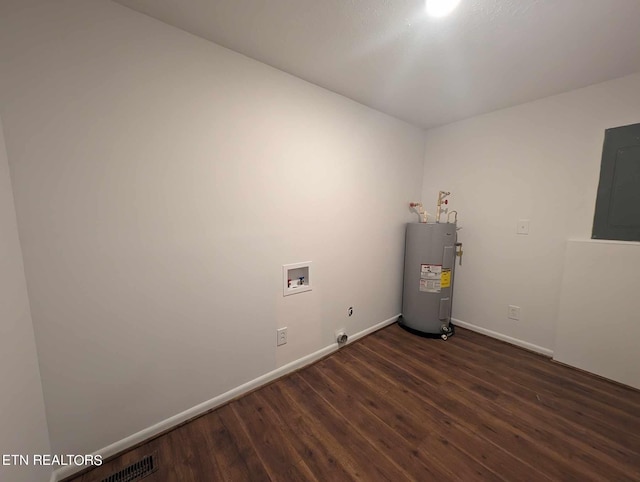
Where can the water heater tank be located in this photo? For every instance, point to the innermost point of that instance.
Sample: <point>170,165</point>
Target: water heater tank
<point>429,261</point>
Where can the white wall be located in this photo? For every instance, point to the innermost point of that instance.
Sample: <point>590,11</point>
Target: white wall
<point>160,183</point>
<point>23,428</point>
<point>599,313</point>
<point>537,161</point>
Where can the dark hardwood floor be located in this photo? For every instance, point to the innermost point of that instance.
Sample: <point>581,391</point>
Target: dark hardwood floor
<point>394,406</point>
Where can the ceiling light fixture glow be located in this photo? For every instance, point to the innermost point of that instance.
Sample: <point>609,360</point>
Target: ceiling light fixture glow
<point>441,8</point>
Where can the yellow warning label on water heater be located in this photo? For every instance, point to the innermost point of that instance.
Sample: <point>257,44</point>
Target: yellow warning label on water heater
<point>445,278</point>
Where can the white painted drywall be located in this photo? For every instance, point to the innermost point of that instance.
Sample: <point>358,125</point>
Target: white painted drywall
<point>23,427</point>
<point>161,182</point>
<point>599,314</point>
<point>537,161</point>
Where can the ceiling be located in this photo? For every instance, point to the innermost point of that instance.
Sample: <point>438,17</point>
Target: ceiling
<point>387,54</point>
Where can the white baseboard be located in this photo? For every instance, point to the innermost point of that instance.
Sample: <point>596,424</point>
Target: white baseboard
<point>164,425</point>
<point>500,336</point>
<point>373,328</point>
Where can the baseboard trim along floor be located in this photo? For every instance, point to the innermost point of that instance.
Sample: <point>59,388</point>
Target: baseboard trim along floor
<point>500,336</point>
<point>395,406</point>
<point>167,424</point>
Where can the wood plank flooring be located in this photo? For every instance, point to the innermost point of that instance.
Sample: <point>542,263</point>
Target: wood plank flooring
<point>395,406</point>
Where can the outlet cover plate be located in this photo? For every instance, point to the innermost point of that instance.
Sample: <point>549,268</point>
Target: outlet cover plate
<point>281,336</point>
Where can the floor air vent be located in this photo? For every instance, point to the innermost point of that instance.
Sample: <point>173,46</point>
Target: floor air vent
<point>136,471</point>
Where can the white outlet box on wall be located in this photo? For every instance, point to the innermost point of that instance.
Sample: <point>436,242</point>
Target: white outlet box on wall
<point>296,278</point>
<point>513,312</point>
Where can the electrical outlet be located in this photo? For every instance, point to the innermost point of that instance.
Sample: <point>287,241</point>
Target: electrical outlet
<point>513,312</point>
<point>281,336</point>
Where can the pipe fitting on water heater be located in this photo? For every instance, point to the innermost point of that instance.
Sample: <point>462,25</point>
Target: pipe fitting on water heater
<point>420,210</point>
<point>440,210</point>
<point>442,195</point>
